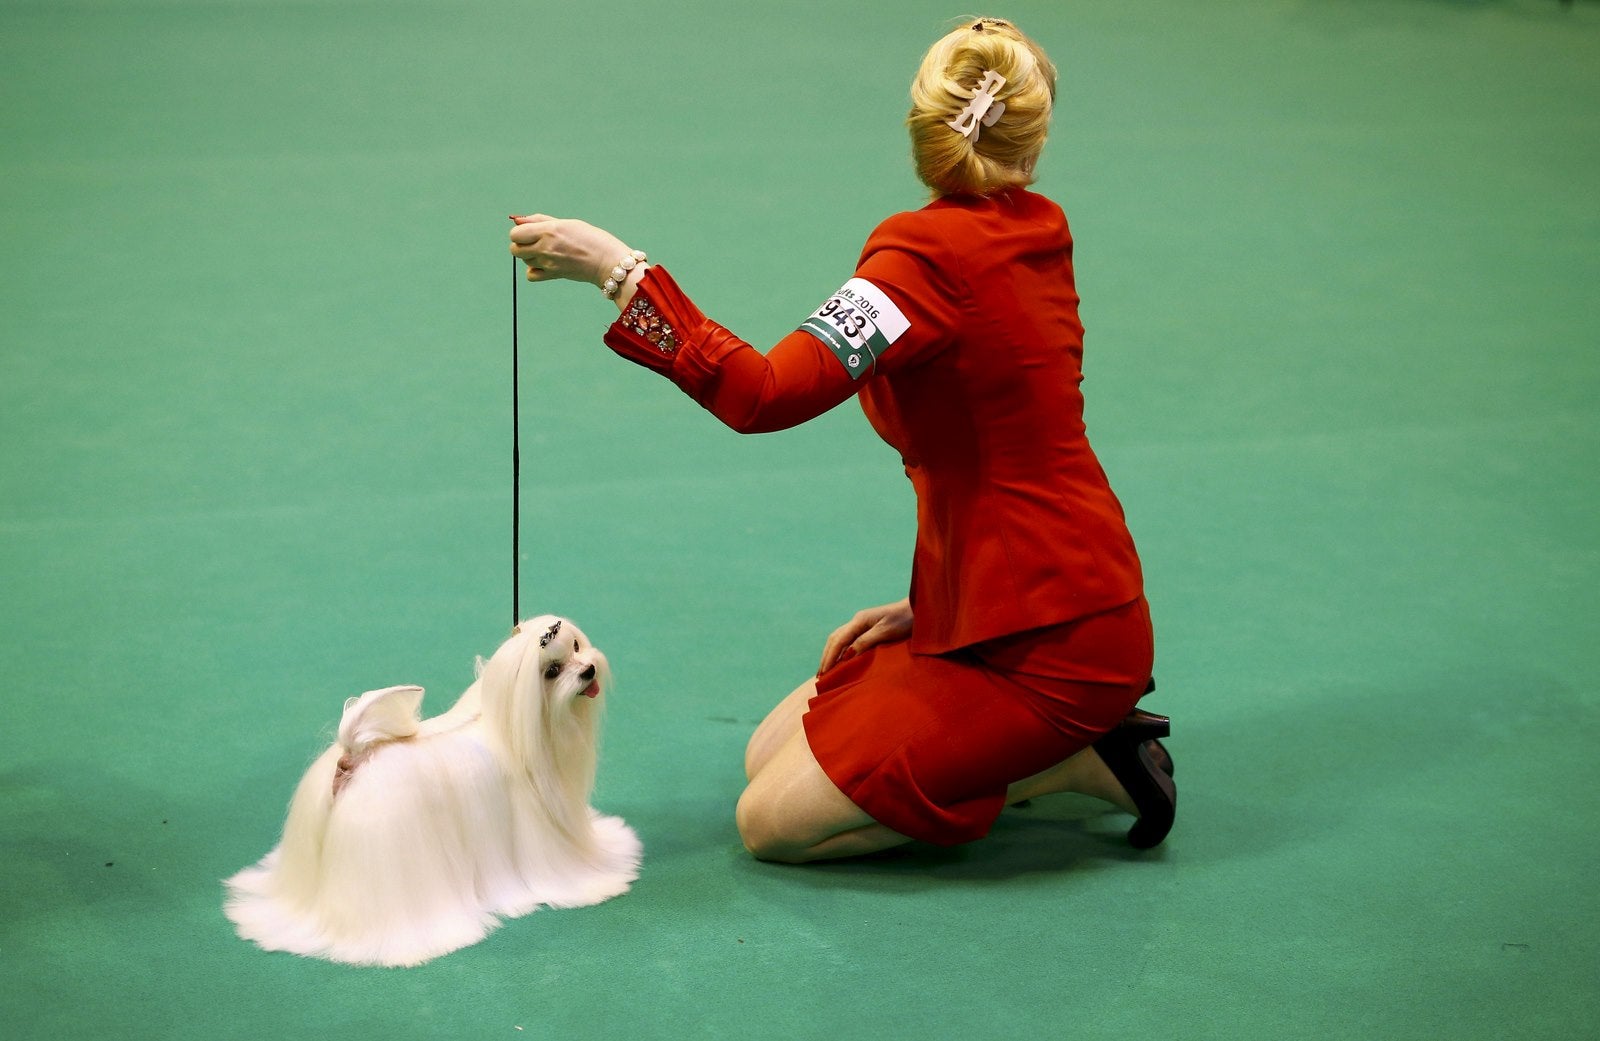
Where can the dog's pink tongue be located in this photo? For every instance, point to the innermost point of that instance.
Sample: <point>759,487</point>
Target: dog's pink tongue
<point>591,691</point>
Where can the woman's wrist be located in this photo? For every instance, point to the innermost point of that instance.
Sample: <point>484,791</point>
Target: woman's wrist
<point>630,284</point>
<point>613,277</point>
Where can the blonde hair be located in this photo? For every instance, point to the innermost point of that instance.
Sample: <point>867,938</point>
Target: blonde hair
<point>994,157</point>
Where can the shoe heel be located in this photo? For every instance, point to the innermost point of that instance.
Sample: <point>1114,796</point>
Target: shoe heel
<point>1156,816</point>
<point>1148,728</point>
<point>1129,753</point>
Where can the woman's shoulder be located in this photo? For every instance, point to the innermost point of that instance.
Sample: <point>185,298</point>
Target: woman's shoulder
<point>948,222</point>
<point>898,230</point>
<point>927,232</point>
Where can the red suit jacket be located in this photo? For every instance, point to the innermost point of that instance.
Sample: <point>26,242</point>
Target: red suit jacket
<point>960,335</point>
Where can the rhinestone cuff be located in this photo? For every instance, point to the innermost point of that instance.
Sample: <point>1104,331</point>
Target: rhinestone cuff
<point>643,320</point>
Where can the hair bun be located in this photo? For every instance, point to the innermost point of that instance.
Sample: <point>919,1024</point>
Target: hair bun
<point>1003,152</point>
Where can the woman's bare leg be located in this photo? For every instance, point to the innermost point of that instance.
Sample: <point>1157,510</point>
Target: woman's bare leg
<point>1084,773</point>
<point>774,732</point>
<point>793,813</point>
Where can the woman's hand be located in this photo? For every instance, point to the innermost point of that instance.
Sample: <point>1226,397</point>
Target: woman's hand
<point>555,247</point>
<point>868,628</point>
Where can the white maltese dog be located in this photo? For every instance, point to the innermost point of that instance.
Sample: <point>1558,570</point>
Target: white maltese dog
<point>409,839</point>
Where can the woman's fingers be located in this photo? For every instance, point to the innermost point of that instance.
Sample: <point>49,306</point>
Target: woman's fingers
<point>879,633</point>
<point>526,236</point>
<point>830,653</point>
<point>841,644</point>
<point>837,643</point>
<point>534,240</point>
<point>562,248</point>
<point>529,244</point>
<point>866,630</point>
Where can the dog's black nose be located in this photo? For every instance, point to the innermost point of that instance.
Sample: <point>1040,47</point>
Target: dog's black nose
<point>587,674</point>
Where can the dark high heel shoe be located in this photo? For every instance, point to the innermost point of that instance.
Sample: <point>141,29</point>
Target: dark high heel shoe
<point>1140,717</point>
<point>1150,723</point>
<point>1129,753</point>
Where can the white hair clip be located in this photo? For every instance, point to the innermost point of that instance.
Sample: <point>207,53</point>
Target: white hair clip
<point>984,107</point>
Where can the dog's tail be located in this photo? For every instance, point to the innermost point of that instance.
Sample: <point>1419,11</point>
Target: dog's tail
<point>376,717</point>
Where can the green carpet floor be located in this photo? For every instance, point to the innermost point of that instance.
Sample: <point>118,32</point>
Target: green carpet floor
<point>1340,262</point>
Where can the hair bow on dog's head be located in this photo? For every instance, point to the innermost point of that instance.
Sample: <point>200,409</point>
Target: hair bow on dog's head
<point>549,634</point>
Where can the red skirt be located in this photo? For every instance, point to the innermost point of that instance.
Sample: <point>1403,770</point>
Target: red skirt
<point>927,745</point>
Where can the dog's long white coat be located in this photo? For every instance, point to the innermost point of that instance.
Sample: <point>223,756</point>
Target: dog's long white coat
<point>442,828</point>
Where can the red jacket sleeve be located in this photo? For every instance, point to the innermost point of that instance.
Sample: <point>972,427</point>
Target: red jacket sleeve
<point>899,308</point>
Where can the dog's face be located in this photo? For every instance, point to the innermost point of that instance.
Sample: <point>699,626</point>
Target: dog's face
<point>569,665</point>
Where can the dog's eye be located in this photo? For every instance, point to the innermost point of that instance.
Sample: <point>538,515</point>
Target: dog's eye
<point>552,670</point>
<point>574,645</point>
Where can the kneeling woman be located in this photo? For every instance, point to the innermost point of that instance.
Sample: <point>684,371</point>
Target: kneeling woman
<point>1012,669</point>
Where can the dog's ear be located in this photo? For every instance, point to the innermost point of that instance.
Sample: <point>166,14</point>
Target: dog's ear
<point>380,715</point>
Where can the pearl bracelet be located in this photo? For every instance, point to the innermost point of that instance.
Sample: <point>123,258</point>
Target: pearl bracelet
<point>619,274</point>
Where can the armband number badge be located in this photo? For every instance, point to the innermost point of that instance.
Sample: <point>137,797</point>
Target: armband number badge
<point>858,323</point>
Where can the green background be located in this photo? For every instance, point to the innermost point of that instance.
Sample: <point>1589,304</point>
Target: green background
<point>1340,262</point>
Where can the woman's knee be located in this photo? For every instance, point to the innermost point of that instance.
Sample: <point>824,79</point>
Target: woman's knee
<point>792,806</point>
<point>760,829</point>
